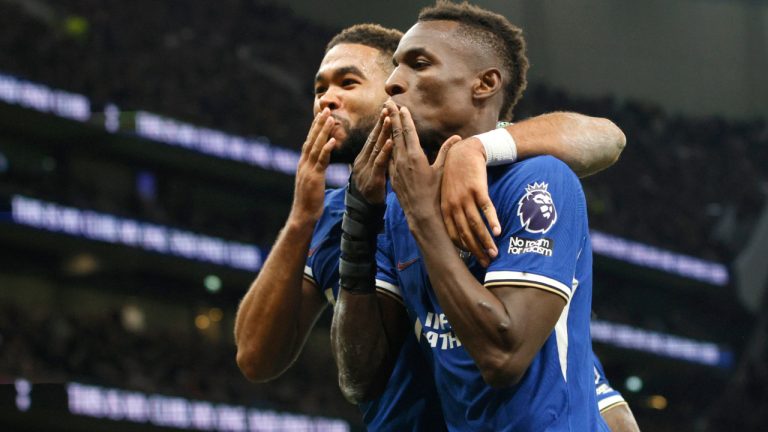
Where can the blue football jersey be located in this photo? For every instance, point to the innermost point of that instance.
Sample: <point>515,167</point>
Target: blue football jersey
<point>607,396</point>
<point>545,245</point>
<point>409,402</point>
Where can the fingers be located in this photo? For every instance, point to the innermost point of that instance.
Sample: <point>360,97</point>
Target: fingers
<point>479,231</point>
<point>397,124</point>
<point>325,155</point>
<point>317,124</point>
<point>410,137</point>
<point>384,135</point>
<point>373,137</point>
<point>451,228</point>
<point>383,158</point>
<point>320,140</point>
<point>465,233</point>
<point>467,238</point>
<point>440,160</point>
<point>489,210</point>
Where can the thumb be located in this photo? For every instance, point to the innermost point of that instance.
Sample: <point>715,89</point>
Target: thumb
<point>440,160</point>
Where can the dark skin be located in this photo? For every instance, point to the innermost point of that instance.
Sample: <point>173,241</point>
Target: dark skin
<point>620,419</point>
<point>504,327</point>
<point>378,347</point>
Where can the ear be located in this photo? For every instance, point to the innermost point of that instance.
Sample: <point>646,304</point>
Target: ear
<point>487,84</point>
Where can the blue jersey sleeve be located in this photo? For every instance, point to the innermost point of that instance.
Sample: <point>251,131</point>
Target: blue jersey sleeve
<point>542,211</point>
<point>607,396</point>
<point>386,270</point>
<point>386,274</point>
<point>322,266</point>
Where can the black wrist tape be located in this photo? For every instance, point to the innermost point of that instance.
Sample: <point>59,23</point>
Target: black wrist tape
<point>360,225</point>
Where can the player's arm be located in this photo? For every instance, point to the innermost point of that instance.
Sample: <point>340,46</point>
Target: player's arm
<point>367,332</point>
<point>620,418</point>
<point>586,144</point>
<point>611,403</point>
<point>280,307</point>
<point>368,328</point>
<point>501,328</point>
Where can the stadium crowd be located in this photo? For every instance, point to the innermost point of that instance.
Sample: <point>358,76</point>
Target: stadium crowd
<point>107,349</point>
<point>247,68</point>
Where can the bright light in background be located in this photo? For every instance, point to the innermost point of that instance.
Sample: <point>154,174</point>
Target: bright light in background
<point>81,264</point>
<point>657,402</point>
<point>202,322</point>
<point>634,384</point>
<point>180,413</point>
<point>212,283</point>
<point>76,26</point>
<point>215,314</point>
<point>23,389</point>
<point>111,118</point>
<point>150,237</point>
<point>133,318</point>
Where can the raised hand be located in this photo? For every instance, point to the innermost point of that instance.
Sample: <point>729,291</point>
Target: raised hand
<point>464,191</point>
<point>415,181</point>
<point>369,172</point>
<point>310,174</point>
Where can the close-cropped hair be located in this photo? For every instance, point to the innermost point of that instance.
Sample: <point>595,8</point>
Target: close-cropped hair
<point>371,35</point>
<point>494,33</point>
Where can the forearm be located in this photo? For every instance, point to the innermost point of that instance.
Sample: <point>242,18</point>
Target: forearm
<point>268,320</point>
<point>479,318</point>
<point>620,419</point>
<point>586,144</point>
<point>360,345</point>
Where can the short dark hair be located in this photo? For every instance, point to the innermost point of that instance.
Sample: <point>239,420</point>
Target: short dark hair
<point>372,35</point>
<point>493,32</point>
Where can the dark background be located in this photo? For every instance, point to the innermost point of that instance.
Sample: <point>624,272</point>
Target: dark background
<point>683,79</point>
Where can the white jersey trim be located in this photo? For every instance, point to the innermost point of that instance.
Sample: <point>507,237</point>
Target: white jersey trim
<point>561,336</point>
<point>515,276</point>
<point>308,271</point>
<point>309,274</point>
<point>609,402</point>
<point>390,288</point>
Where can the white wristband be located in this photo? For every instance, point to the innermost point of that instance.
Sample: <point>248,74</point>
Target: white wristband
<point>500,147</point>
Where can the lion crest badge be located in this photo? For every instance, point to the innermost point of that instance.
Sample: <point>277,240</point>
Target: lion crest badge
<point>537,209</point>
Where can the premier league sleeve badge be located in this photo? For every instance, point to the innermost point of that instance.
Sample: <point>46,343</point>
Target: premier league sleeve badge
<point>536,209</point>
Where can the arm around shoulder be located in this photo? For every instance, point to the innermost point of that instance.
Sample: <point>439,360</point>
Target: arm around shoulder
<point>586,144</point>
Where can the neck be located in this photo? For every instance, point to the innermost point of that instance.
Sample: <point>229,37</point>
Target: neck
<point>479,121</point>
<point>483,121</point>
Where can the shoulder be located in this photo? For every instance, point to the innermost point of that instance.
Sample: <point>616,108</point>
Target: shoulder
<point>329,224</point>
<point>517,178</point>
<point>539,166</point>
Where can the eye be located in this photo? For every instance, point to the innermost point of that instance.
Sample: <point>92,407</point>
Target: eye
<point>347,82</point>
<point>320,90</point>
<point>420,64</point>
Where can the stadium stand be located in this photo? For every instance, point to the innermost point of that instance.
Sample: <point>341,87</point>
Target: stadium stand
<point>244,67</point>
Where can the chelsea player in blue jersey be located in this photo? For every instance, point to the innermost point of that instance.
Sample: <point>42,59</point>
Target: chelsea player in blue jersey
<point>509,345</point>
<point>281,307</point>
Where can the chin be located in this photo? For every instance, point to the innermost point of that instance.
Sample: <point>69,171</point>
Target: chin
<point>339,134</point>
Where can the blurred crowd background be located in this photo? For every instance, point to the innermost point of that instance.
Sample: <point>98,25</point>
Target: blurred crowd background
<point>72,310</point>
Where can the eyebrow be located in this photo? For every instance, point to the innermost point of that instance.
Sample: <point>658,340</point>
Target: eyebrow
<point>354,70</point>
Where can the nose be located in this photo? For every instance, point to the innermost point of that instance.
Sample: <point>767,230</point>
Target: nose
<point>330,99</point>
<point>395,85</point>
